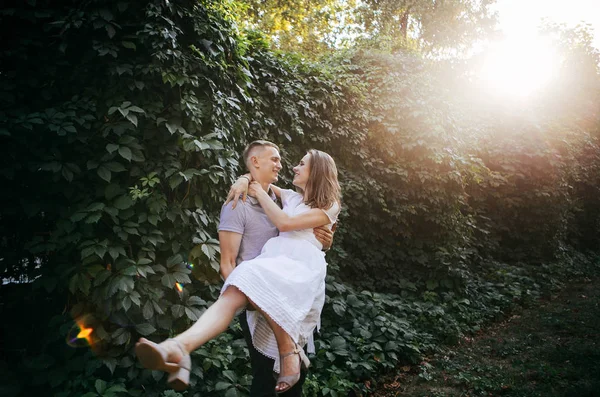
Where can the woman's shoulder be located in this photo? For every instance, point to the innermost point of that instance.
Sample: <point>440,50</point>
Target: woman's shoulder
<point>289,193</point>
<point>333,211</point>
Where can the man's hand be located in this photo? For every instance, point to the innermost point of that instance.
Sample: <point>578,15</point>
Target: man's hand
<point>255,189</point>
<point>240,187</point>
<point>325,236</point>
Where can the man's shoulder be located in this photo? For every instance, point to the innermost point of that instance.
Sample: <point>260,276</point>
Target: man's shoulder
<point>233,219</point>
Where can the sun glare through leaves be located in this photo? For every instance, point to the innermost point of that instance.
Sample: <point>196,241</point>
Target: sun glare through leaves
<point>519,67</point>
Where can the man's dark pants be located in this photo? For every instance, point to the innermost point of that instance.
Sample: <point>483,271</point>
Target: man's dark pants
<point>263,381</point>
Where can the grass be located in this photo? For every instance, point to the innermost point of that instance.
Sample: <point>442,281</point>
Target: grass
<point>551,349</point>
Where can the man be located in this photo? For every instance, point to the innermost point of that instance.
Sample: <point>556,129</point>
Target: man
<point>243,230</point>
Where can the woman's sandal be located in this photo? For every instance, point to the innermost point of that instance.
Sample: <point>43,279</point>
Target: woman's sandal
<point>155,357</point>
<point>291,380</point>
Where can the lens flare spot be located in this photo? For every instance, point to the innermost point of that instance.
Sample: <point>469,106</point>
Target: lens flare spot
<point>179,287</point>
<point>80,335</point>
<point>84,333</point>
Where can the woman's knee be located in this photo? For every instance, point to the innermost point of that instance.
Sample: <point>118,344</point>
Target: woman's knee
<point>234,296</point>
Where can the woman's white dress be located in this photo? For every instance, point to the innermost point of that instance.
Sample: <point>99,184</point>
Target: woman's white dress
<point>287,282</point>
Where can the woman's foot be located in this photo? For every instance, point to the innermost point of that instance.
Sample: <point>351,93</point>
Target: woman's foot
<point>291,364</point>
<point>169,356</point>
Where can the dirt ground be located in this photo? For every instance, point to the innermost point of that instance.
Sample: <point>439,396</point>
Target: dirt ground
<point>549,349</point>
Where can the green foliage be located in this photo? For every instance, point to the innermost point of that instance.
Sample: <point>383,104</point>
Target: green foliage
<point>545,350</point>
<point>120,129</point>
<point>315,27</point>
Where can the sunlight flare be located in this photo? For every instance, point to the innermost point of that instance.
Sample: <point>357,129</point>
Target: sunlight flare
<point>519,67</point>
<point>84,333</point>
<point>179,287</point>
<point>81,334</point>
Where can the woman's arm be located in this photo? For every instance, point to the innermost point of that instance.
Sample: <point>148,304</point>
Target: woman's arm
<point>282,221</point>
<point>276,190</point>
<point>240,187</point>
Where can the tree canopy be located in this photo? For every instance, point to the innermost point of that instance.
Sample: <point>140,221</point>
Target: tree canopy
<point>311,27</point>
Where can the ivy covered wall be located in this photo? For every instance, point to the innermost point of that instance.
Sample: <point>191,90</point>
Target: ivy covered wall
<point>121,126</point>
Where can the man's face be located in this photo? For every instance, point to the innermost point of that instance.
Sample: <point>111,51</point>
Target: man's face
<point>268,165</point>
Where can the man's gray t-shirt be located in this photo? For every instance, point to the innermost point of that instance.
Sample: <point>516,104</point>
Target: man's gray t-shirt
<point>248,219</point>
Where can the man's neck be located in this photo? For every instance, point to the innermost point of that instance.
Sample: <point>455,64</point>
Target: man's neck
<point>265,185</point>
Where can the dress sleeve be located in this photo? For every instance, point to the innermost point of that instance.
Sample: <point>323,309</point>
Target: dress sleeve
<point>286,195</point>
<point>333,212</point>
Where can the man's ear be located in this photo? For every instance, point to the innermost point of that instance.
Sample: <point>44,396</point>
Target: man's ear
<point>254,162</point>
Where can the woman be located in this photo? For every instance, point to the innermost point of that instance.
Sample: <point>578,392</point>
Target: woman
<point>286,283</point>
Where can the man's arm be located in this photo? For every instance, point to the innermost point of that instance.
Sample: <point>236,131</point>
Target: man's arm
<point>230,246</point>
<point>325,236</point>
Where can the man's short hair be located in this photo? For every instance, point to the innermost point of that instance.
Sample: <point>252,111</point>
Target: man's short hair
<point>252,150</point>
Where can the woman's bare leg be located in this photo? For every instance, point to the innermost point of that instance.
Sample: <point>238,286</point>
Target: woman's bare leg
<point>285,344</point>
<point>213,321</point>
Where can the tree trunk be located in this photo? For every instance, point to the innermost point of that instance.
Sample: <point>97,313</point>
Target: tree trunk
<point>404,24</point>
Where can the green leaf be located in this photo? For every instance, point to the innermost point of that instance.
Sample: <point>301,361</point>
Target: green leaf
<point>91,164</point>
<point>230,375</point>
<point>145,329</point>
<point>111,147</point>
<point>95,207</point>
<point>125,152</point>
<point>110,30</point>
<point>177,310</point>
<point>116,389</point>
<point>432,284</point>
<point>134,121</point>
<point>67,174</point>
<point>121,336</point>
<point>101,277</point>
<point>233,392</point>
<point>174,260</point>
<point>128,44</point>
<point>111,191</point>
<point>135,109</point>
<point>192,313</point>
<point>93,218</point>
<point>113,166</point>
<point>338,345</point>
<point>175,181</point>
<point>181,277</point>
<point>104,173</point>
<point>111,363</point>
<point>195,300</point>
<point>76,217</point>
<point>172,127</point>
<point>168,280</point>
<point>129,271</point>
<point>123,202</point>
<point>100,386</point>
<point>73,283</point>
<point>148,310</point>
<point>222,386</point>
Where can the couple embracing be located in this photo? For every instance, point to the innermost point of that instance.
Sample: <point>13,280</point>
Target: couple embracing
<point>274,267</point>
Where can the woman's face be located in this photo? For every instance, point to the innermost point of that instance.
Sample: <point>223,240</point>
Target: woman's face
<point>301,172</point>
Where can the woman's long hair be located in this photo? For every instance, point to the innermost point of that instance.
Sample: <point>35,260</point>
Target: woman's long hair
<point>322,189</point>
